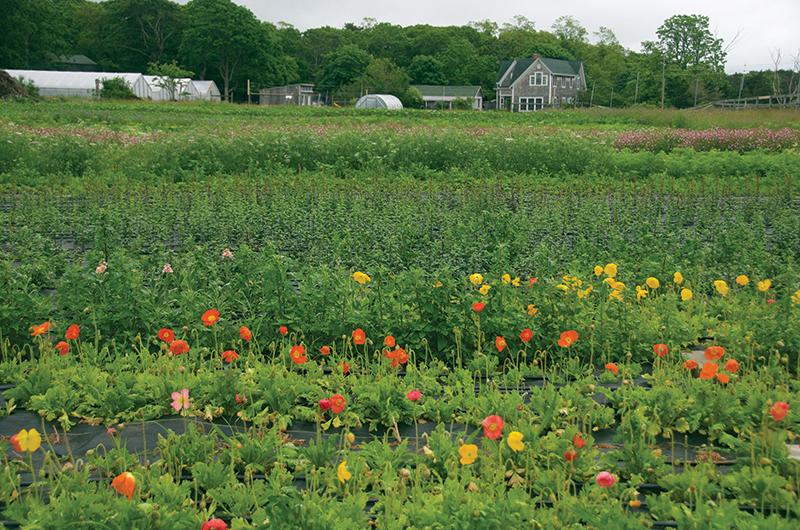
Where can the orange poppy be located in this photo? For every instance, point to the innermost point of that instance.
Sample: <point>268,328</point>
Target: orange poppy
<point>245,333</point>
<point>714,353</point>
<point>568,338</point>
<point>166,335</point>
<point>709,371</point>
<point>779,410</point>
<point>723,378</point>
<point>359,337</point>
<point>325,350</point>
<point>389,341</point>
<point>229,356</point>
<point>613,368</point>
<point>62,348</point>
<point>73,332</point>
<point>690,364</point>
<point>492,427</point>
<point>500,344</point>
<point>337,402</point>
<point>41,329</point>
<point>345,367</point>
<point>298,354</point>
<point>478,307</point>
<point>124,484</point>
<point>283,330</point>
<point>732,366</point>
<point>179,347</point>
<point>526,335</point>
<point>210,317</point>
<point>660,349</point>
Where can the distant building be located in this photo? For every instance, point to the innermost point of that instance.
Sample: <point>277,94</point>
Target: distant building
<point>379,101</point>
<point>534,83</point>
<point>52,83</point>
<point>439,96</point>
<point>301,94</point>
<point>75,63</point>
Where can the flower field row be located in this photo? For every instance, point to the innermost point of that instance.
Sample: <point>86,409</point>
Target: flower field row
<point>710,139</point>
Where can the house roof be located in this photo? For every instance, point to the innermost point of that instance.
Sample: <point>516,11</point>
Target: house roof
<point>557,66</point>
<point>460,91</point>
<point>75,59</point>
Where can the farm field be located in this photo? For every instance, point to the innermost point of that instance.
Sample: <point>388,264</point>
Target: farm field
<point>323,318</point>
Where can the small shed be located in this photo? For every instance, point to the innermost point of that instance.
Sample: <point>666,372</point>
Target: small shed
<point>301,94</point>
<point>379,101</point>
<point>441,96</point>
<point>55,83</point>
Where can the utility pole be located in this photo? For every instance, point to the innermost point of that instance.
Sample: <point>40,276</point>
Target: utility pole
<point>611,103</point>
<point>696,80</point>
<point>636,93</point>
<point>591,98</point>
<point>663,80</point>
<point>741,86</point>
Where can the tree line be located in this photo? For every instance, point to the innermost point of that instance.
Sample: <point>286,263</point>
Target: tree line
<point>220,40</point>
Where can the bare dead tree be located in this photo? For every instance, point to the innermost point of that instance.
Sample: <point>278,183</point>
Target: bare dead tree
<point>776,76</point>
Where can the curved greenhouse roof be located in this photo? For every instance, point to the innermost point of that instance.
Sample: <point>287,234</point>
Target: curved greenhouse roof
<point>379,101</point>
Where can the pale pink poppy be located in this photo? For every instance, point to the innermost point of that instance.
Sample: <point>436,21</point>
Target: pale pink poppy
<point>167,269</point>
<point>605,479</point>
<point>180,400</point>
<point>227,254</point>
<point>101,267</point>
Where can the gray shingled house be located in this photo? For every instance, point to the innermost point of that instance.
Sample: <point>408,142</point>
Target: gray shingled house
<point>537,82</point>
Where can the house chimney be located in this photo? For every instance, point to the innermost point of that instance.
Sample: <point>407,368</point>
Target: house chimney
<point>536,56</point>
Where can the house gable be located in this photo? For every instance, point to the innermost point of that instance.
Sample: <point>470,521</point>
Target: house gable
<point>523,79</point>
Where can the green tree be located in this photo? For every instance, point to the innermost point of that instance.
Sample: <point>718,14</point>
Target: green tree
<point>426,70</point>
<point>687,41</point>
<point>382,76</point>
<point>342,67</point>
<point>168,77</point>
<point>33,33</point>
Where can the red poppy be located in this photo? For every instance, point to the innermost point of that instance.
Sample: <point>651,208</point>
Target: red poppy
<point>526,335</point>
<point>298,354</point>
<point>240,400</point>
<point>325,350</point>
<point>283,330</point>
<point>532,281</point>
<point>179,347</point>
<point>214,524</point>
<point>779,410</point>
<point>41,329</point>
<point>414,395</point>
<point>229,356</point>
<point>389,341</point>
<point>15,443</point>
<point>337,403</point>
<point>124,484</point>
<point>398,356</point>
<point>62,348</point>
<point>723,378</point>
<point>359,337</point>
<point>578,441</point>
<point>690,364</point>
<point>732,366</point>
<point>73,332</point>
<point>570,455</point>
<point>714,353</point>
<point>660,349</point>
<point>245,333</point>
<point>492,427</point>
<point>568,338</point>
<point>478,307</point>
<point>613,368</point>
<point>210,317</point>
<point>324,404</point>
<point>166,335</point>
<point>709,371</point>
<point>345,367</point>
<point>500,344</point>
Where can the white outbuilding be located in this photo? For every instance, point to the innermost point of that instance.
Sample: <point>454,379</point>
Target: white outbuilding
<point>54,83</point>
<point>204,90</point>
<point>379,101</point>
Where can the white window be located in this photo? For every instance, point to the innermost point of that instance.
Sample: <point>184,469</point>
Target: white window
<point>563,82</point>
<point>571,82</point>
<point>539,79</point>
<point>530,104</point>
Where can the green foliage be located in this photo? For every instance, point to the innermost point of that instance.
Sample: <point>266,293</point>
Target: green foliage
<point>116,88</point>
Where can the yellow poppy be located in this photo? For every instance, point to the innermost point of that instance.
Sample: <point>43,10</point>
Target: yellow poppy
<point>617,286</point>
<point>515,282</point>
<point>721,286</point>
<point>615,295</point>
<point>611,270</point>
<point>598,270</point>
<point>515,442</point>
<point>361,278</point>
<point>677,278</point>
<point>652,282</point>
<point>686,294</point>
<point>742,280</point>
<point>342,473</point>
<point>484,290</point>
<point>30,440</point>
<point>764,285</point>
<point>468,453</point>
<point>437,284</point>
<point>583,293</point>
<point>796,297</point>
<point>506,278</point>
<point>641,292</point>
<point>476,279</point>
<point>562,287</point>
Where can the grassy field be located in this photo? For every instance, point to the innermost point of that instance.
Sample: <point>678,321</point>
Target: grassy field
<point>600,246</point>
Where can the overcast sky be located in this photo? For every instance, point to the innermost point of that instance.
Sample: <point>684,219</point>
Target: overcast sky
<point>764,25</point>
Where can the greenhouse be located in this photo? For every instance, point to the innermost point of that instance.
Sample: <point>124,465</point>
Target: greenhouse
<point>78,84</point>
<point>379,101</point>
